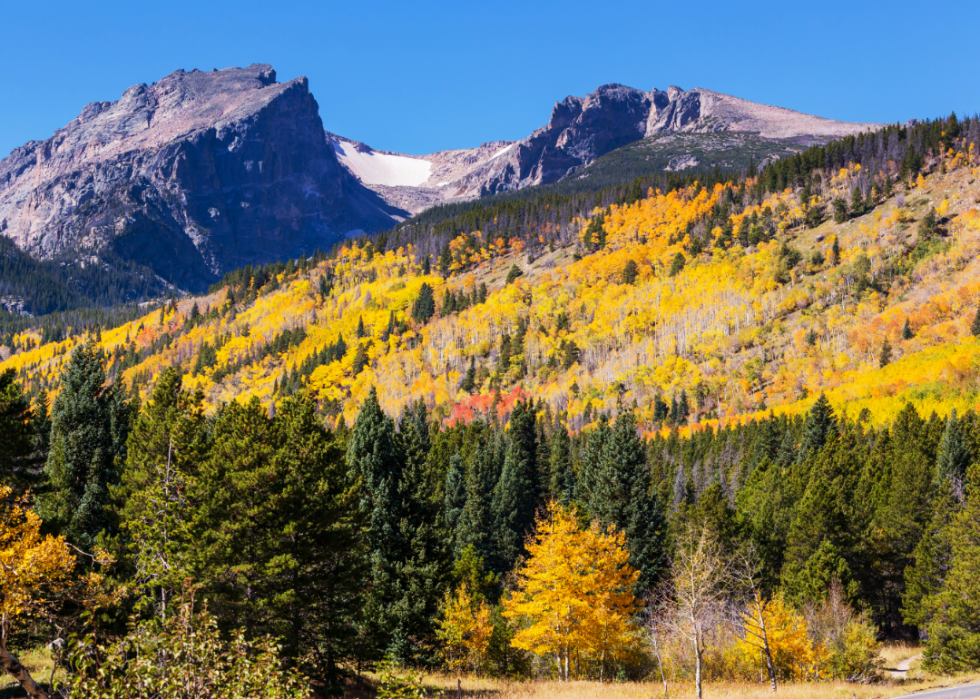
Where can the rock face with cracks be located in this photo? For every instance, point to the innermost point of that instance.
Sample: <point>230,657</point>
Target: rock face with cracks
<point>192,176</point>
<point>580,130</point>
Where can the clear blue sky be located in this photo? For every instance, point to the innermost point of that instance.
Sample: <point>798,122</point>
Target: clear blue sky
<point>422,76</point>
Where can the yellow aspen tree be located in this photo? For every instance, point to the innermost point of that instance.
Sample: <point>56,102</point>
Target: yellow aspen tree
<point>33,569</point>
<point>574,594</point>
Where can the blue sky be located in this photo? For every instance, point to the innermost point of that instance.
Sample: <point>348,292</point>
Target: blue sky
<point>422,76</point>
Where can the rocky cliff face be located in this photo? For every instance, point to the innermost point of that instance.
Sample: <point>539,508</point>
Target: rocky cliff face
<point>581,129</point>
<point>191,176</point>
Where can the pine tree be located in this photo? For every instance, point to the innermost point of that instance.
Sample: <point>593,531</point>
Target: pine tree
<point>907,331</point>
<point>820,425</point>
<point>954,454</point>
<point>677,264</point>
<point>621,497</point>
<point>152,503</point>
<point>954,626</point>
<point>455,498</point>
<point>975,325</point>
<point>421,576</point>
<point>562,483</point>
<point>589,471</point>
<point>514,273</point>
<point>477,519</point>
<point>374,462</point>
<point>361,359</point>
<point>885,358</point>
<point>518,492</point>
<point>469,380</point>
<point>87,435</point>
<point>17,443</point>
<point>360,332</point>
<point>425,306</point>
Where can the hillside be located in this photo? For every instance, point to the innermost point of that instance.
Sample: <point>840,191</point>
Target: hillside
<point>759,391</point>
<point>744,311</point>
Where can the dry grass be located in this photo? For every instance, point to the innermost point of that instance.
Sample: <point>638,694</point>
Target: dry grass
<point>476,688</point>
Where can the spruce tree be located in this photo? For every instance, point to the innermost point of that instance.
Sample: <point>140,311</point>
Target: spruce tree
<point>420,577</point>
<point>517,495</point>
<point>885,358</point>
<point>374,463</point>
<point>86,434</point>
<point>954,454</point>
<point>562,484</point>
<point>589,471</point>
<point>975,325</point>
<point>477,519</point>
<point>168,443</point>
<point>455,498</point>
<point>514,273</point>
<point>424,306</point>
<point>954,626</point>
<point>820,425</point>
<point>469,380</point>
<point>17,443</point>
<point>622,498</point>
<point>907,331</point>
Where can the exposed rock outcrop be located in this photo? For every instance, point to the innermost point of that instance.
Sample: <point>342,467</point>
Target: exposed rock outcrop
<point>194,175</point>
<point>582,129</point>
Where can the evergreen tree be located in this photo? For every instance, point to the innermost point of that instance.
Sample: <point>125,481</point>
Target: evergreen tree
<point>469,380</point>
<point>425,306</point>
<point>954,626</point>
<point>421,575</point>
<point>975,325</point>
<point>517,495</point>
<point>820,425</point>
<point>86,431</point>
<point>168,442</point>
<point>455,498</point>
<point>562,484</point>
<point>954,454</point>
<point>17,443</point>
<point>591,467</point>
<point>622,498</point>
<point>361,359</point>
<point>932,558</point>
<point>360,332</point>
<point>907,331</point>
<point>885,358</point>
<point>477,520</point>
<point>677,264</point>
<point>514,273</point>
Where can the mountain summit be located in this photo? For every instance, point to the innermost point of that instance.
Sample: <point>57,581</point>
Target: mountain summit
<point>580,130</point>
<point>194,175</point>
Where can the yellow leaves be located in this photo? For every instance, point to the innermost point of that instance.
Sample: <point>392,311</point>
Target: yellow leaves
<point>465,629</point>
<point>574,593</point>
<point>794,653</point>
<point>33,569</point>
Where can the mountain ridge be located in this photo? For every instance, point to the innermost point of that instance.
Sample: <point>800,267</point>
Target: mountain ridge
<point>579,131</point>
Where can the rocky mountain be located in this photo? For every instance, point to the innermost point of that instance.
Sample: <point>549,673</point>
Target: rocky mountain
<point>581,130</point>
<point>194,175</point>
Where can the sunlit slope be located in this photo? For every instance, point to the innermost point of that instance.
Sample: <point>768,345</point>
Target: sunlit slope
<point>764,316</point>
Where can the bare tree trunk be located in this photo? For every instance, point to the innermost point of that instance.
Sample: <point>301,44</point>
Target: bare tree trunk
<point>660,662</point>
<point>697,668</point>
<point>20,673</point>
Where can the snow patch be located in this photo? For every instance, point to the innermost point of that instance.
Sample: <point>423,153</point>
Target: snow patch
<point>382,168</point>
<point>501,152</point>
